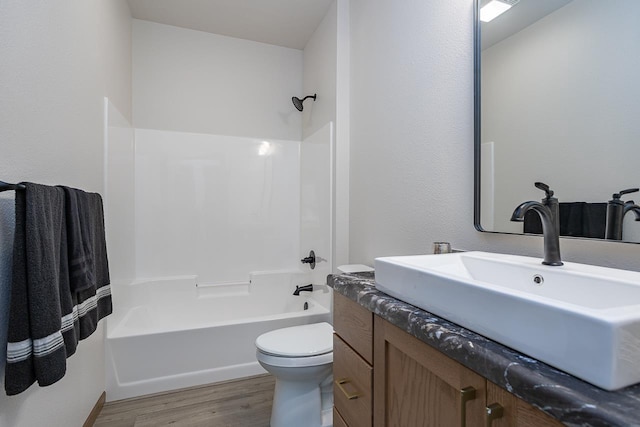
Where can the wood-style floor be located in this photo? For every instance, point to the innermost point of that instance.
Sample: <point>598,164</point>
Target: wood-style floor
<point>241,403</point>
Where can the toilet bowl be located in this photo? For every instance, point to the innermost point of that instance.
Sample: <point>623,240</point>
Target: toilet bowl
<point>301,360</point>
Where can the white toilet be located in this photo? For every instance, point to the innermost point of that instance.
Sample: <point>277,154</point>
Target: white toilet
<point>301,359</point>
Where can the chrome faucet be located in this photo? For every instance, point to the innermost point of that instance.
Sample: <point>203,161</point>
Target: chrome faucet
<point>548,212</point>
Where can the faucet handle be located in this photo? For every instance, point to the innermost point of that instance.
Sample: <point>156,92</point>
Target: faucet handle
<point>311,260</point>
<point>627,191</point>
<point>544,187</point>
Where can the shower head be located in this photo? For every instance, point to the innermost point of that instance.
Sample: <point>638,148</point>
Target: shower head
<point>297,102</point>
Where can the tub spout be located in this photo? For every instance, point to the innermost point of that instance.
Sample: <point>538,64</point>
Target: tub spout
<point>306,288</point>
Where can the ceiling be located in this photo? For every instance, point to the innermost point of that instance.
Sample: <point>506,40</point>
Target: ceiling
<point>288,23</point>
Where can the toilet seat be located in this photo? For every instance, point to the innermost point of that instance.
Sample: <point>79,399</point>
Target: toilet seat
<point>305,341</point>
<point>294,362</point>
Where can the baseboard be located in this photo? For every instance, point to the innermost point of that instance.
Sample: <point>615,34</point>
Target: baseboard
<point>93,415</point>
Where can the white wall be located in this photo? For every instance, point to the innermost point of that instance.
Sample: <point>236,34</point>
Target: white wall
<point>326,72</point>
<point>192,81</point>
<point>59,60</point>
<point>200,87</point>
<point>320,75</point>
<point>342,132</point>
<point>316,204</point>
<point>567,57</point>
<point>119,195</point>
<point>214,206</point>
<point>412,137</point>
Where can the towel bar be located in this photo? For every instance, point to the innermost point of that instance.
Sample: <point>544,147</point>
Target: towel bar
<point>8,187</point>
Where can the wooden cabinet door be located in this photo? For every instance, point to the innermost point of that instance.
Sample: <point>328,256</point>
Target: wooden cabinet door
<point>416,385</point>
<point>516,412</point>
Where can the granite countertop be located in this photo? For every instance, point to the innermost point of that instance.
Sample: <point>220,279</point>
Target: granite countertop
<point>564,397</point>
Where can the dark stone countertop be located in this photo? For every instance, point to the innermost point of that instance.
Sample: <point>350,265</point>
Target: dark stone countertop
<point>564,397</point>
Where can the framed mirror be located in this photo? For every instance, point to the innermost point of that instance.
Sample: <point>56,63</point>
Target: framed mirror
<point>557,100</point>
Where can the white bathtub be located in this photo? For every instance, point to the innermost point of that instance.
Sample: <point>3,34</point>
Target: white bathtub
<point>172,333</point>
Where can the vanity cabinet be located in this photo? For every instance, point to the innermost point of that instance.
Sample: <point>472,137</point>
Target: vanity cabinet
<point>338,421</point>
<point>416,385</point>
<point>517,412</point>
<point>352,363</point>
<point>384,377</point>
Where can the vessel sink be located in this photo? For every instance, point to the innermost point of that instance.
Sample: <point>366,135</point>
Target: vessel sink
<point>582,319</point>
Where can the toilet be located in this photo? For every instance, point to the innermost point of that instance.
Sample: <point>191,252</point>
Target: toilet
<point>301,360</point>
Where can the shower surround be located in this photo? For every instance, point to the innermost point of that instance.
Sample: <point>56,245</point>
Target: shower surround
<point>228,195</point>
<point>216,206</point>
<point>221,224</point>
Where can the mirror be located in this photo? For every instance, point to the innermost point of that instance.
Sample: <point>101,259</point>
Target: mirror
<point>557,101</point>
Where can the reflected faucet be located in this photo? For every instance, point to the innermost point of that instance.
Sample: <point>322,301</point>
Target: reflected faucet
<point>616,210</point>
<point>547,210</point>
<point>631,206</point>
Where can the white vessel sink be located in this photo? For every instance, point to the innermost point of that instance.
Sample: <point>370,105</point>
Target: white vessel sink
<point>582,319</point>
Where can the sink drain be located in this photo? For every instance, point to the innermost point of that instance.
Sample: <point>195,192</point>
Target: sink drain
<point>538,279</point>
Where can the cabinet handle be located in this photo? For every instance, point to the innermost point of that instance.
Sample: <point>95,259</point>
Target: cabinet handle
<point>466,394</point>
<point>493,412</point>
<point>340,383</point>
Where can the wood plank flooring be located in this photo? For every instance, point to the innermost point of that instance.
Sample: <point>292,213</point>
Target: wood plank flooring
<point>242,403</point>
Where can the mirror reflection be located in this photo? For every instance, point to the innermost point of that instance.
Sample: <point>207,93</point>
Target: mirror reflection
<point>560,104</point>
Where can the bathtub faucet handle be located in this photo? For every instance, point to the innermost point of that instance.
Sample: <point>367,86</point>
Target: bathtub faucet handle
<point>306,288</point>
<point>311,260</point>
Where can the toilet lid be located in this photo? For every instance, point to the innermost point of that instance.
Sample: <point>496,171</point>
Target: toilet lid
<point>298,341</point>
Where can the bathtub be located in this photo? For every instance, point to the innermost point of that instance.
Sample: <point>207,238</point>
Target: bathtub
<point>166,334</point>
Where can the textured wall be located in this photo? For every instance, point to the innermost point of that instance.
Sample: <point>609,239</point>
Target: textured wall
<point>320,75</point>
<point>412,137</point>
<point>192,81</point>
<point>326,72</point>
<point>59,61</point>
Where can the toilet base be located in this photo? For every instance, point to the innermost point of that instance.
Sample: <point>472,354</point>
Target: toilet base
<point>301,360</point>
<point>327,418</point>
<point>299,404</point>
<point>299,400</point>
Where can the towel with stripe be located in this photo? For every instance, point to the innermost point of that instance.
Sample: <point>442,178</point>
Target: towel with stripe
<point>49,312</point>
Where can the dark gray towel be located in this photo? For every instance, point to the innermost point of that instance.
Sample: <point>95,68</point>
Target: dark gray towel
<point>80,239</point>
<point>35,348</point>
<point>47,317</point>
<point>88,263</point>
<point>580,219</point>
<point>577,219</point>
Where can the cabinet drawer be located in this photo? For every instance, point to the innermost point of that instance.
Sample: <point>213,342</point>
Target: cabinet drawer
<point>337,419</point>
<point>354,324</point>
<point>352,378</point>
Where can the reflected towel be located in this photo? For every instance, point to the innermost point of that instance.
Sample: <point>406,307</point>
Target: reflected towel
<point>577,219</point>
